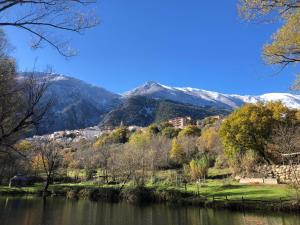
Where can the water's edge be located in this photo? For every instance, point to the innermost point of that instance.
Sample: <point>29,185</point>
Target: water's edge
<point>142,195</point>
<point>33,210</point>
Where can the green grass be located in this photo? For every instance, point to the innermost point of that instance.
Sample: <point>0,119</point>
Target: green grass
<point>22,190</point>
<point>235,191</point>
<point>222,188</point>
<point>212,188</point>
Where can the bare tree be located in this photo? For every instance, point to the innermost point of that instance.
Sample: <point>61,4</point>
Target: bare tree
<point>189,145</point>
<point>160,147</point>
<point>284,140</point>
<point>21,105</point>
<point>10,165</point>
<point>43,19</point>
<point>114,164</point>
<point>104,154</point>
<point>48,155</point>
<point>285,145</point>
<point>296,85</point>
<point>136,161</point>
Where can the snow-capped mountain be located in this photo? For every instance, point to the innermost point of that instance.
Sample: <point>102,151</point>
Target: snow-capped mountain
<point>201,97</point>
<point>77,104</point>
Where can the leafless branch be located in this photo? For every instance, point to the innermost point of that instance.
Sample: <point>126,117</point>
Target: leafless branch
<point>45,18</point>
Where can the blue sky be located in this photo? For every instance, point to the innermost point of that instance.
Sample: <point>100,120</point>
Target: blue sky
<point>194,43</point>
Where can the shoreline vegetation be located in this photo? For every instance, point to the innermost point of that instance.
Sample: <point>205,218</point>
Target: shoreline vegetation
<point>147,195</point>
<point>214,193</point>
<point>197,165</point>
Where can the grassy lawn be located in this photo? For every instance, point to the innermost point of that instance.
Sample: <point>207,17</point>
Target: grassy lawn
<point>235,191</point>
<point>212,188</point>
<point>5,190</point>
<point>22,190</point>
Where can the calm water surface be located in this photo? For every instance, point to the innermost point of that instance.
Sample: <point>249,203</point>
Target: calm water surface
<point>59,211</point>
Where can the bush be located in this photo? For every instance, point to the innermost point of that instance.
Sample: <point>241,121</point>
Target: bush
<point>221,162</point>
<point>72,194</point>
<point>139,195</point>
<point>198,168</point>
<point>172,196</point>
<point>89,173</point>
<point>88,193</point>
<point>108,194</point>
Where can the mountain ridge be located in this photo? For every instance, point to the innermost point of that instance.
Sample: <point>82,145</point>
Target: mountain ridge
<point>79,104</point>
<point>202,97</point>
<point>143,111</point>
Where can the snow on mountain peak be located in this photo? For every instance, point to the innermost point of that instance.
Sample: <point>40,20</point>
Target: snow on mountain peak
<point>201,97</point>
<point>57,77</point>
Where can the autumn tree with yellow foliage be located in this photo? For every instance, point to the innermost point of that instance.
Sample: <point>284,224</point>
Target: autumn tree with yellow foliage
<point>176,152</point>
<point>199,168</point>
<point>284,48</point>
<point>210,141</point>
<point>250,128</point>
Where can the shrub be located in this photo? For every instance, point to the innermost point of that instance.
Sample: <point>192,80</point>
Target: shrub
<point>139,195</point>
<point>72,194</point>
<point>108,194</point>
<point>221,162</point>
<point>171,195</point>
<point>89,193</point>
<point>199,168</point>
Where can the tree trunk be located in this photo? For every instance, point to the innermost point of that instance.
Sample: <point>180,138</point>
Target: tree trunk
<point>46,186</point>
<point>106,173</point>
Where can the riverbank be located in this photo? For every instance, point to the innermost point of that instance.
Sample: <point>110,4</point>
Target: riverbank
<point>33,210</point>
<point>212,194</point>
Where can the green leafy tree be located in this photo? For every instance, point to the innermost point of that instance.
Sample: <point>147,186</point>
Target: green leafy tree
<point>164,125</point>
<point>153,129</point>
<point>119,135</point>
<point>170,132</point>
<point>250,128</point>
<point>190,130</point>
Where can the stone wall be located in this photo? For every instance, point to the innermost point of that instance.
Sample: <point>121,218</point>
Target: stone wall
<point>258,181</point>
<point>283,173</point>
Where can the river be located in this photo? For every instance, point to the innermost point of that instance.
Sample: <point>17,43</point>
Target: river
<point>61,211</point>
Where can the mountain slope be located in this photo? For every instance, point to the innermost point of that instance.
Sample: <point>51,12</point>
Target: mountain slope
<point>76,103</point>
<point>80,105</point>
<point>200,97</point>
<point>142,111</point>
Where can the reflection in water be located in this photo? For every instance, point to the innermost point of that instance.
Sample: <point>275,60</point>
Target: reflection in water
<point>59,211</point>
